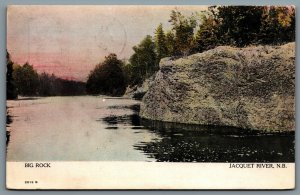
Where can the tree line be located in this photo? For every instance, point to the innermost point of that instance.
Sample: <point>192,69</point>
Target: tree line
<point>236,26</point>
<point>24,80</point>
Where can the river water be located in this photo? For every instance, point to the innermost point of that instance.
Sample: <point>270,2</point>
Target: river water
<point>99,128</point>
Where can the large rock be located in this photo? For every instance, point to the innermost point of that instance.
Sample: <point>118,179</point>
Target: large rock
<point>251,88</point>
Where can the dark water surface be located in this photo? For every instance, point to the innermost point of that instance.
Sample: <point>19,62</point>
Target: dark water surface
<point>101,128</point>
<point>186,143</point>
<point>198,143</point>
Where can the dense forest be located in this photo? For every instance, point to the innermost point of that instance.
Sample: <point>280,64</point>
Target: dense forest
<point>25,81</point>
<point>237,26</point>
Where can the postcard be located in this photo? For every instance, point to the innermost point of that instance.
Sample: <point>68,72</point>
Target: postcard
<point>150,97</point>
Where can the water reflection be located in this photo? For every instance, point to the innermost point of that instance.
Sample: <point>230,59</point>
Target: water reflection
<point>79,128</point>
<point>132,119</point>
<point>111,130</point>
<point>197,143</point>
<point>194,143</point>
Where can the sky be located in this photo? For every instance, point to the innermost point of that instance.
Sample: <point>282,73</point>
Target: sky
<point>70,40</point>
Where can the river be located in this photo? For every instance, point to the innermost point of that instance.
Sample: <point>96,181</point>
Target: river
<point>99,128</point>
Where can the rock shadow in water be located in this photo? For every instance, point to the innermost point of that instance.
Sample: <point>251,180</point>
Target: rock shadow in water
<point>127,120</point>
<point>135,107</point>
<point>111,128</point>
<point>196,143</point>
<point>132,120</point>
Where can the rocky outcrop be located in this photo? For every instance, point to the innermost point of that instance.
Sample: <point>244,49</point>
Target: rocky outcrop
<point>251,88</point>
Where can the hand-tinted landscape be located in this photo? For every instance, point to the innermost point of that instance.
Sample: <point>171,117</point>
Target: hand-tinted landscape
<point>151,83</point>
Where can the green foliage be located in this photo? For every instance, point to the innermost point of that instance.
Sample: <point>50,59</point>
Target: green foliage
<point>184,32</point>
<point>147,54</point>
<point>160,43</point>
<point>245,25</point>
<point>143,63</point>
<point>170,43</point>
<point>11,91</point>
<point>206,36</point>
<point>278,25</point>
<point>290,30</point>
<point>238,25</point>
<point>26,80</point>
<point>130,74</point>
<point>107,78</point>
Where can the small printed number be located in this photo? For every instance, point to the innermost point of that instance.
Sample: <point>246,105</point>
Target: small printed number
<point>31,182</point>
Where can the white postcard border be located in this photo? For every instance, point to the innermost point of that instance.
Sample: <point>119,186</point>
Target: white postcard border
<point>149,175</point>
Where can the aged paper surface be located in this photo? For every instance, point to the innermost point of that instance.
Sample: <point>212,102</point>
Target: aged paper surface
<point>141,175</point>
<point>150,97</point>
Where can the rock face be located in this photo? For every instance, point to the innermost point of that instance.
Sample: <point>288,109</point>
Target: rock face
<point>251,88</point>
<point>138,92</point>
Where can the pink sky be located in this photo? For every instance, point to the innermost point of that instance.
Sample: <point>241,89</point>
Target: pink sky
<point>70,40</point>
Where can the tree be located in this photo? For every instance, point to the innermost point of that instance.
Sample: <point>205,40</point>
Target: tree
<point>11,92</point>
<point>26,79</point>
<point>50,85</point>
<point>143,62</point>
<point>170,43</point>
<point>241,26</point>
<point>129,73</point>
<point>206,36</point>
<point>278,25</point>
<point>160,43</point>
<point>238,25</point>
<point>47,85</point>
<point>107,78</point>
<point>291,32</point>
<point>184,32</point>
